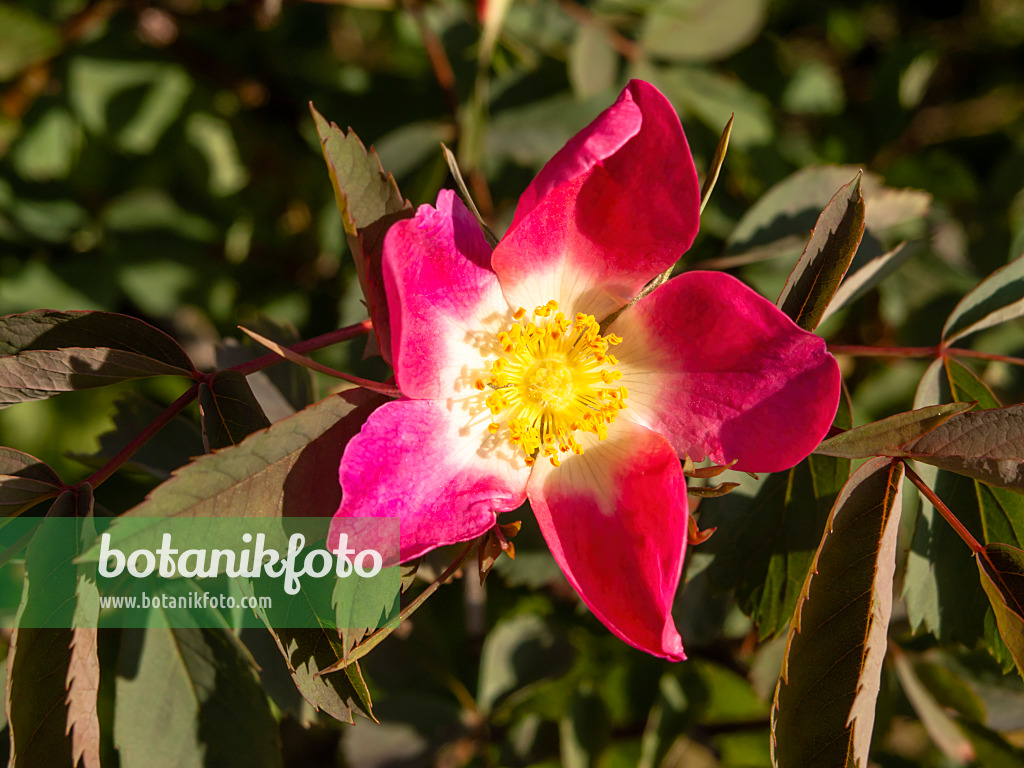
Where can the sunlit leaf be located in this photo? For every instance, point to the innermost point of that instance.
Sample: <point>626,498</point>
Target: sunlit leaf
<point>228,410</point>
<point>713,98</point>
<point>778,223</point>
<point>987,445</point>
<point>940,726</point>
<point>833,244</point>
<point>24,39</point>
<point>369,202</point>
<point>45,353</point>
<point>460,184</point>
<point>715,166</point>
<point>593,64</point>
<point>1002,576</point>
<point>861,279</point>
<point>997,299</point>
<point>134,102</point>
<point>181,695</point>
<point>824,707</point>
<point>701,30</point>
<point>940,588</point>
<point>888,436</point>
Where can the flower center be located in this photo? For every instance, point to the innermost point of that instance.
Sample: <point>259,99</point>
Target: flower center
<point>554,378</point>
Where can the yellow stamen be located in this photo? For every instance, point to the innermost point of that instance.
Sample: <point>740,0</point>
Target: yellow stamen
<point>554,378</point>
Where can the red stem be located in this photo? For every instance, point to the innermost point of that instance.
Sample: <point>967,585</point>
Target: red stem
<point>956,352</point>
<point>864,351</point>
<point>104,472</point>
<point>937,351</point>
<point>252,366</point>
<point>936,502</point>
<point>317,342</point>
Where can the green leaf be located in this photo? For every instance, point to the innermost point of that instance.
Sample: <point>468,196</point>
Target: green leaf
<point>460,183</point>
<point>671,715</point>
<point>369,202</point>
<point>764,547</point>
<point>281,390</point>
<point>277,471</point>
<point>45,353</point>
<point>713,98</point>
<point>940,590</point>
<point>592,64</point>
<point>824,706</point>
<point>987,445</point>
<point>228,410</point>
<point>133,102</point>
<point>24,482</point>
<point>519,652</point>
<point>716,164</point>
<point>827,256</point>
<point>189,698</point>
<point>53,668</point>
<point>1002,576</point>
<point>583,729</point>
<point>861,279</point>
<point>25,39</point>
<point>309,651</point>
<point>280,471</point>
<point>777,224</point>
<point>179,441</point>
<point>701,30</point>
<point>941,728</point>
<point>997,299</point>
<point>887,436</point>
<point>363,191</point>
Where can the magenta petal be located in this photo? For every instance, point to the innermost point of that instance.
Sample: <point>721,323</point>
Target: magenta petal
<point>615,520</point>
<point>617,206</point>
<point>444,300</point>
<point>433,467</point>
<point>719,369</point>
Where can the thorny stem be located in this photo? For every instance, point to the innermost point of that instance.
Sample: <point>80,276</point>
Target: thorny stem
<point>374,640</point>
<point>936,351</point>
<point>936,502</point>
<point>252,366</point>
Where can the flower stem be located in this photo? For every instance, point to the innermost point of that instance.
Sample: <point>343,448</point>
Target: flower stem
<point>936,502</point>
<point>317,342</point>
<point>104,472</point>
<point>375,639</point>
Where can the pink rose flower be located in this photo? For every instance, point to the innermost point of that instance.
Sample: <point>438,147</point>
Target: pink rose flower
<point>513,391</point>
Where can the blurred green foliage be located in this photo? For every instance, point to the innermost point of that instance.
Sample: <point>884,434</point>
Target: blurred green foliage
<point>159,159</point>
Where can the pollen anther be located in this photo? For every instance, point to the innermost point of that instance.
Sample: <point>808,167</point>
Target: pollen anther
<point>553,379</point>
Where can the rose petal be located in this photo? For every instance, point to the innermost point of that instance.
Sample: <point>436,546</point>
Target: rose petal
<point>616,207</point>
<point>445,304</point>
<point>434,466</point>
<point>615,519</point>
<point>720,370</point>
